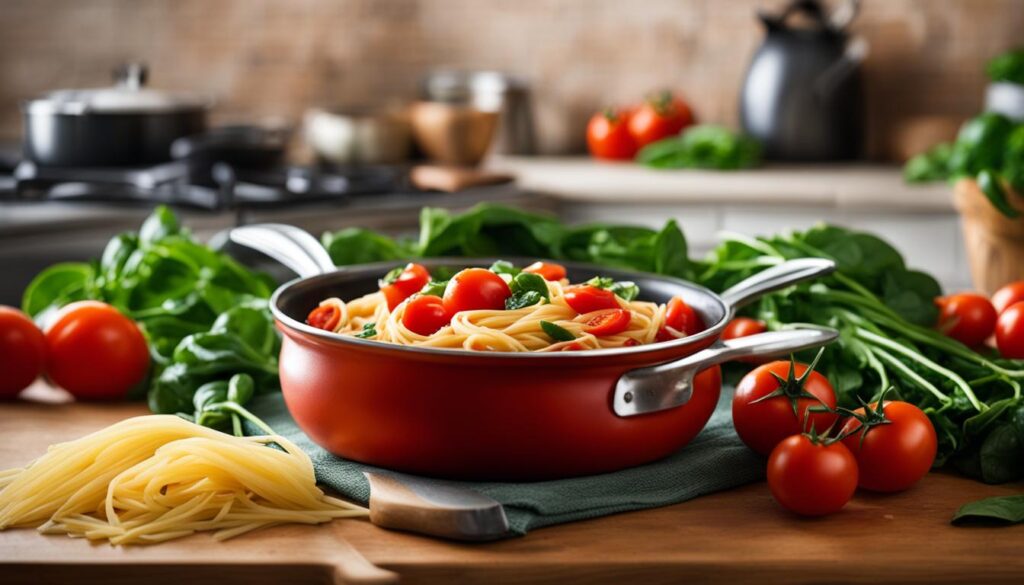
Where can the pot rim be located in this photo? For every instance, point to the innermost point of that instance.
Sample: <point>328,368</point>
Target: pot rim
<point>698,340</point>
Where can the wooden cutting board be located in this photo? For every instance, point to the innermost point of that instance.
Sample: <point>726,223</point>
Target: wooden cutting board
<point>729,537</point>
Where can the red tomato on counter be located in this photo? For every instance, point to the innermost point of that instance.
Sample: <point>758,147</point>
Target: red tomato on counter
<point>1010,332</point>
<point>22,352</point>
<point>661,116</point>
<point>1008,295</point>
<point>892,456</point>
<point>743,327</point>
<point>95,352</point>
<point>608,135</point>
<point>811,478</point>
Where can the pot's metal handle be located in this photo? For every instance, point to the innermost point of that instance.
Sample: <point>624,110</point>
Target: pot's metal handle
<point>666,386</point>
<point>786,274</point>
<point>289,245</point>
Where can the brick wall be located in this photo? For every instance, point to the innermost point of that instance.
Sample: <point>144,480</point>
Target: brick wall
<point>274,58</point>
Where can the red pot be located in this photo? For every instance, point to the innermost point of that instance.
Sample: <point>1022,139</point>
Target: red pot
<point>508,416</point>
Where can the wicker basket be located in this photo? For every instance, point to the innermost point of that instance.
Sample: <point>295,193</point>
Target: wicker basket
<point>995,243</point>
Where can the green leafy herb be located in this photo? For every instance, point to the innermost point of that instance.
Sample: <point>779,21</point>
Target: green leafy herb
<point>392,275</point>
<point>1003,510</point>
<point>434,288</point>
<point>1007,67</point>
<point>527,289</point>
<point>931,165</point>
<point>556,332</point>
<point>626,289</point>
<point>369,330</point>
<point>504,267</point>
<point>702,147</point>
<point>217,403</point>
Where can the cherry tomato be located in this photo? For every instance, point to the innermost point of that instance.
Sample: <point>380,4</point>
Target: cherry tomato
<point>409,282</point>
<point>743,327</point>
<point>95,352</point>
<point>1010,332</point>
<point>1008,295</point>
<point>811,479</point>
<point>967,317</point>
<point>22,352</point>
<point>762,422</point>
<point>425,315</point>
<point>661,116</point>
<point>682,317</point>
<point>584,298</point>
<point>549,270</point>
<point>473,289</point>
<point>324,317</point>
<point>572,346</point>
<point>607,322</point>
<point>895,455</point>
<point>608,135</point>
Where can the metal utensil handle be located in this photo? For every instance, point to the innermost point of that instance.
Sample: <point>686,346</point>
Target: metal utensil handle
<point>289,245</point>
<point>666,386</point>
<point>786,274</point>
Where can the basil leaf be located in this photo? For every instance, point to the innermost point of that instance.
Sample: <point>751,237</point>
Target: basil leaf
<point>369,330</point>
<point>392,275</point>
<point>625,289</point>
<point>504,267</point>
<point>556,332</point>
<point>241,388</point>
<point>434,288</point>
<point>993,189</point>
<point>1005,509</point>
<point>524,299</point>
<point>527,289</point>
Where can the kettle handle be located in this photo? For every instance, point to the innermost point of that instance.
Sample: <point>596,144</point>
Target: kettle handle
<point>831,79</point>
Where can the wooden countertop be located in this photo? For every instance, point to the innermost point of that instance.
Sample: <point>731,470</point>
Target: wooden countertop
<point>730,537</point>
<point>852,185</point>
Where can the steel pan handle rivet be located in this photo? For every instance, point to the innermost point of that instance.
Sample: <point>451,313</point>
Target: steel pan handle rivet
<point>628,397</point>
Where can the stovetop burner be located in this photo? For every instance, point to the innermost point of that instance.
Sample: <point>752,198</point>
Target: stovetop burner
<point>209,186</point>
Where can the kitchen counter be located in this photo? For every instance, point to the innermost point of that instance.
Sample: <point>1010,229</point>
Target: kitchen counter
<point>729,537</point>
<point>846,186</point>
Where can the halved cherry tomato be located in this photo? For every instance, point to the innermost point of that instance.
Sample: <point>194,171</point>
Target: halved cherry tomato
<point>608,322</point>
<point>425,315</point>
<point>608,135</point>
<point>572,346</point>
<point>1010,332</point>
<point>967,317</point>
<point>1008,295</point>
<point>743,327</point>
<point>682,317</point>
<point>413,278</point>
<point>474,289</point>
<point>765,412</point>
<point>22,352</point>
<point>812,479</point>
<point>630,343</point>
<point>95,352</point>
<point>324,317</point>
<point>894,455</point>
<point>549,270</point>
<point>584,298</point>
<point>662,115</point>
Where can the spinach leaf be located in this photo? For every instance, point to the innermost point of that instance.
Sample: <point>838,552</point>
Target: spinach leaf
<point>57,286</point>
<point>993,189</point>
<point>556,332</point>
<point>626,289</point>
<point>362,246</point>
<point>702,147</point>
<point>931,165</point>
<point>504,267</point>
<point>1007,67</point>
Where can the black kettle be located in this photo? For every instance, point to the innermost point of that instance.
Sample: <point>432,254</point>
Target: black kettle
<point>802,97</point>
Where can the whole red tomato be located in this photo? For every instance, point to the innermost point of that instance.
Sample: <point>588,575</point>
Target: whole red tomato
<point>95,352</point>
<point>406,283</point>
<point>425,315</point>
<point>766,412</point>
<point>473,289</point>
<point>1010,332</point>
<point>966,317</point>
<point>661,116</point>
<point>608,135</point>
<point>22,352</point>
<point>894,455</point>
<point>811,478</point>
<point>1008,295</point>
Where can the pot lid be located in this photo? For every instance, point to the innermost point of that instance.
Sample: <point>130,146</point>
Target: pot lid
<point>128,96</point>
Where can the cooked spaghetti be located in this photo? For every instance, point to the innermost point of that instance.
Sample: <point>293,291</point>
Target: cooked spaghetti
<point>504,309</point>
<point>153,478</point>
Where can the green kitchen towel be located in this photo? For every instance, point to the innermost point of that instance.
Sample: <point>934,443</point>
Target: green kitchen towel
<point>715,460</point>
